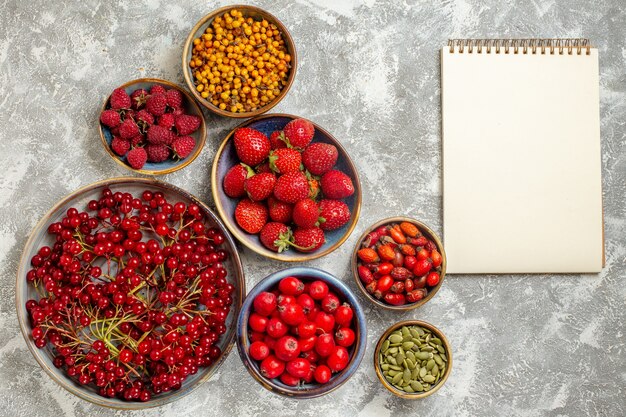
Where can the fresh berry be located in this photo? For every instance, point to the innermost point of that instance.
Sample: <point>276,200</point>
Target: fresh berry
<point>234,180</point>
<point>319,158</point>
<point>166,120</point>
<point>119,99</point>
<point>158,135</point>
<point>279,211</point>
<point>156,104</point>
<point>137,157</point>
<point>275,236</point>
<point>335,214</point>
<point>186,124</point>
<point>183,146</point>
<point>306,213</point>
<point>265,304</point>
<point>120,146</point>
<point>260,186</point>
<point>336,185</point>
<point>157,153</point>
<point>285,160</point>
<point>292,187</point>
<point>250,215</point>
<point>251,145</point>
<point>157,89</point>
<point>137,139</point>
<point>110,118</point>
<point>299,132</point>
<point>138,98</point>
<point>277,140</point>
<point>174,98</point>
<point>128,129</point>
<point>308,240</point>
<point>144,117</point>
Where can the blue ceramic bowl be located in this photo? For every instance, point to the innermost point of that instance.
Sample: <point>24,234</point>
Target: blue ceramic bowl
<point>170,165</point>
<point>226,157</point>
<point>357,350</point>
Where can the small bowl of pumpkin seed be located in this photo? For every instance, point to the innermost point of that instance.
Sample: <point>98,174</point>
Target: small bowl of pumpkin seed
<point>413,359</point>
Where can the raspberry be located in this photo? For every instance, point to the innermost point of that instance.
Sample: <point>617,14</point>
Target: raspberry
<point>166,120</point>
<point>110,118</point>
<point>120,146</point>
<point>157,153</point>
<point>183,146</point>
<point>137,157</point>
<point>159,135</point>
<point>128,129</point>
<point>156,104</point>
<point>146,117</point>
<point>157,89</point>
<point>186,124</point>
<point>174,99</point>
<point>136,140</point>
<point>138,98</point>
<point>119,99</point>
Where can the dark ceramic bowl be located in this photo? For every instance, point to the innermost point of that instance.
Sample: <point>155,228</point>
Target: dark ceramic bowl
<point>40,237</point>
<point>357,350</point>
<point>247,11</point>
<point>226,157</point>
<point>428,232</point>
<point>170,165</point>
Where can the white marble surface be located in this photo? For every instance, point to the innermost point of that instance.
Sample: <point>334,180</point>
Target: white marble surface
<point>369,72</point>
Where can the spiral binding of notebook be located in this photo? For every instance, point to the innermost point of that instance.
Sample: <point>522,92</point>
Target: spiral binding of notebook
<point>570,46</point>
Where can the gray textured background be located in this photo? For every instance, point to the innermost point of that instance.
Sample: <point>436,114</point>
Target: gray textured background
<point>369,73</point>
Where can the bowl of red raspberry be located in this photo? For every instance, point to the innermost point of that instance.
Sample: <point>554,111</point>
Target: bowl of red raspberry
<point>286,188</point>
<point>301,333</point>
<point>152,126</point>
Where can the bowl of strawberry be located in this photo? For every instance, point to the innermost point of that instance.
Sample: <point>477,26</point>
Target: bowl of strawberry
<point>286,188</point>
<point>301,332</point>
<point>152,126</point>
<point>399,263</point>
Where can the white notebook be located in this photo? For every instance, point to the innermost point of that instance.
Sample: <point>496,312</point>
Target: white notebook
<point>522,188</point>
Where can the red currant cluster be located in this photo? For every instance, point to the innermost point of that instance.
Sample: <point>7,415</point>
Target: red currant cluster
<point>300,332</point>
<point>133,294</point>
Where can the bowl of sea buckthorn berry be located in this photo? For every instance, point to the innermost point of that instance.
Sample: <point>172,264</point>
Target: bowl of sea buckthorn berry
<point>239,61</point>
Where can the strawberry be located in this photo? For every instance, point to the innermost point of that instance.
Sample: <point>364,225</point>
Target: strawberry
<point>308,240</point>
<point>275,236</point>
<point>157,89</point>
<point>156,104</point>
<point>251,145</point>
<point>264,167</point>
<point>138,98</point>
<point>319,158</point>
<point>260,186</point>
<point>174,98</point>
<point>144,119</point>
<point>234,179</point>
<point>250,215</point>
<point>183,146</point>
<point>277,140</point>
<point>128,129</point>
<point>306,213</point>
<point>285,160</point>
<point>299,132</point>
<point>292,187</point>
<point>119,99</point>
<point>157,153</point>
<point>335,184</point>
<point>186,124</point>
<point>335,214</point>
<point>166,120</point>
<point>110,118</point>
<point>137,157</point>
<point>159,135</point>
<point>279,211</point>
<point>120,146</point>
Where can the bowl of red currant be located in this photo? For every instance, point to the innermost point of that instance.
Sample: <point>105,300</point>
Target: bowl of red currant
<point>128,292</point>
<point>301,332</point>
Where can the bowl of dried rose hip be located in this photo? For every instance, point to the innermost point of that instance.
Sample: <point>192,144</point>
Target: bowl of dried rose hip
<point>239,61</point>
<point>301,332</point>
<point>152,126</point>
<point>128,292</point>
<point>399,263</point>
<point>286,188</point>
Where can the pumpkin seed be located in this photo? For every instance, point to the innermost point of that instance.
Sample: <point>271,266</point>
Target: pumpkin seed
<point>423,372</point>
<point>409,363</point>
<point>384,366</point>
<point>407,345</point>
<point>435,370</point>
<point>415,373</point>
<point>426,378</point>
<point>392,372</point>
<point>389,379</point>
<point>395,338</point>
<point>441,349</point>
<point>385,345</point>
<point>422,356</point>
<point>426,348</point>
<point>405,331</point>
<point>417,386</point>
<point>408,389</point>
<point>430,364</point>
<point>406,375</point>
<point>410,355</point>
<point>392,360</point>
<point>438,359</point>
<point>395,367</point>
<point>400,358</point>
<point>436,340</point>
<point>391,351</point>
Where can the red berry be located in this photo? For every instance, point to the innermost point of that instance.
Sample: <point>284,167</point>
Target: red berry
<point>137,158</point>
<point>234,182</point>
<point>259,351</point>
<point>285,160</point>
<point>272,367</point>
<point>343,315</point>
<point>291,286</point>
<point>120,146</point>
<point>306,213</point>
<point>252,146</point>
<point>157,153</point>
<point>275,236</point>
<point>307,303</point>
<point>257,322</point>
<point>324,344</point>
<point>308,240</point>
<point>186,124</point>
<point>333,214</point>
<point>318,290</point>
<point>287,348</point>
<point>156,104</point>
<point>299,132</point>
<point>422,267</point>
<point>277,140</point>
<point>128,129</point>
<point>251,216</point>
<point>436,257</point>
<point>110,118</point>
<point>324,322</point>
<point>157,89</point>
<point>395,299</point>
<point>290,380</point>
<point>183,146</point>
<point>265,303</point>
<point>338,359</point>
<point>298,367</point>
<point>336,185</point>
<point>159,135</point>
<point>276,328</point>
<point>291,313</point>
<point>174,98</point>
<point>307,343</point>
<point>306,329</point>
<point>322,374</point>
<point>284,299</point>
<point>330,303</point>
<point>119,99</point>
<point>138,98</point>
<point>344,337</point>
<point>279,212</point>
<point>319,158</point>
<point>260,186</point>
<point>292,187</point>
<point>432,279</point>
<point>166,120</point>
